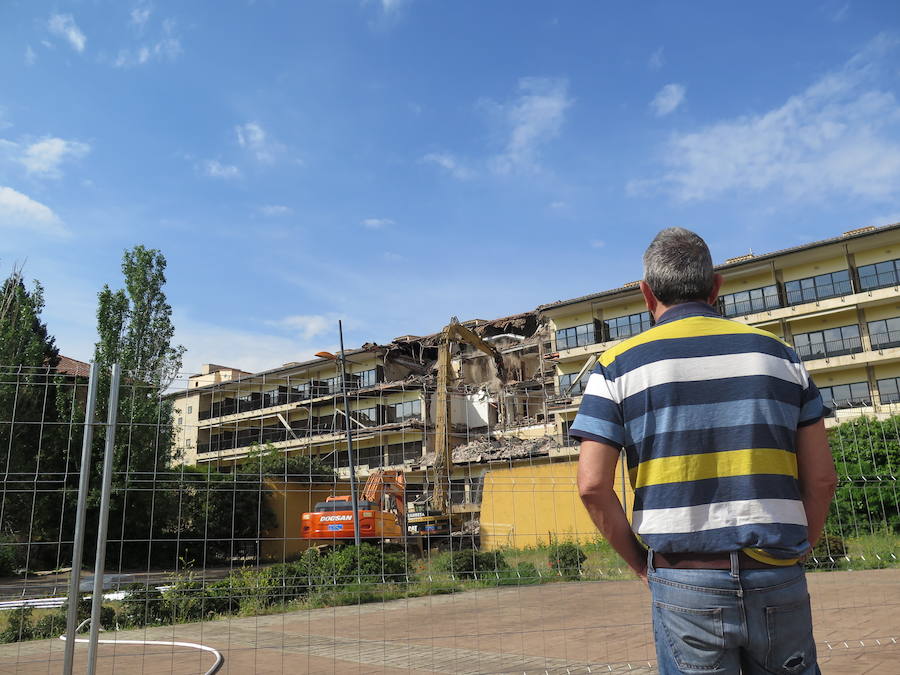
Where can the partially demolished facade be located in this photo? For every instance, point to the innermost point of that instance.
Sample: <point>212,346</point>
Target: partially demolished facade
<point>225,416</point>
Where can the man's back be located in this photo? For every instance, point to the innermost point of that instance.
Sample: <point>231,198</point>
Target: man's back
<point>707,410</point>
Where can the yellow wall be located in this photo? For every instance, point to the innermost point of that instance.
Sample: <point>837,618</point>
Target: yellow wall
<point>569,320</point>
<point>746,283</point>
<point>290,501</point>
<point>815,268</point>
<point>633,306</point>
<point>884,370</point>
<point>527,505</point>
<point>830,378</point>
<point>876,255</point>
<point>836,320</point>
<point>882,312</point>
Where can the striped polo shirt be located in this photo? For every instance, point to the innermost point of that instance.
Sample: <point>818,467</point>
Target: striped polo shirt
<point>707,412</point>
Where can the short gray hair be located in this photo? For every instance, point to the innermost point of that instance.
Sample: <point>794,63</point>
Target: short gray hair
<point>678,267</point>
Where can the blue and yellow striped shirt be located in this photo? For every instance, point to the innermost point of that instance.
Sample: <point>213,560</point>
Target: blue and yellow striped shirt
<point>707,411</point>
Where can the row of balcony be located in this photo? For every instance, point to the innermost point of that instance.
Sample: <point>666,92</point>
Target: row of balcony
<point>742,303</point>
<point>283,395</point>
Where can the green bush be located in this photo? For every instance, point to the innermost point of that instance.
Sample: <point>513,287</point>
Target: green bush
<point>183,601</point>
<point>566,558</point>
<point>471,564</point>
<point>18,626</point>
<point>218,598</point>
<point>143,606</point>
<point>8,558</point>
<point>83,612</point>
<point>370,564</point>
<point>830,545</point>
<point>50,626</point>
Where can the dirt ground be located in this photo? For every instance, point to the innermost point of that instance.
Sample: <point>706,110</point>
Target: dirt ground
<point>575,627</point>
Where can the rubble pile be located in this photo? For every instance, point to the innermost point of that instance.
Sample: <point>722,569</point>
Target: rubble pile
<point>492,449</point>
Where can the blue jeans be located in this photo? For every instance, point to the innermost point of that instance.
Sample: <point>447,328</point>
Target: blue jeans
<point>732,621</point>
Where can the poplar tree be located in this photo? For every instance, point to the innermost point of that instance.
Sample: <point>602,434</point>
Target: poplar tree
<point>135,330</point>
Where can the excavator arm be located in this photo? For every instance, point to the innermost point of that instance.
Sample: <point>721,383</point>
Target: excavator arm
<point>454,332</point>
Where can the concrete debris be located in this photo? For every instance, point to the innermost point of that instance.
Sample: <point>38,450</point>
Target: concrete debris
<point>503,448</point>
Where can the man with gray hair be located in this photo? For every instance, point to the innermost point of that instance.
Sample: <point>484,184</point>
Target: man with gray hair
<point>722,430</point>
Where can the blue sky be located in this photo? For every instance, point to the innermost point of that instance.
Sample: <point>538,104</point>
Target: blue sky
<point>396,162</point>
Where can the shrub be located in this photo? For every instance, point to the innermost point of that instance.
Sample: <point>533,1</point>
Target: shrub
<point>471,564</point>
<point>566,558</point>
<point>830,545</point>
<point>142,606</point>
<point>50,626</point>
<point>8,561</point>
<point>83,612</point>
<point>183,601</point>
<point>369,564</point>
<point>18,626</point>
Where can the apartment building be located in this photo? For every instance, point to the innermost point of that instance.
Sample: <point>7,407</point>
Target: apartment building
<point>224,414</point>
<point>837,301</point>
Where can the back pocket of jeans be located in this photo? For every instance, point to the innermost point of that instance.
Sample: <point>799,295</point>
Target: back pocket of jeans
<point>696,637</point>
<point>791,645</point>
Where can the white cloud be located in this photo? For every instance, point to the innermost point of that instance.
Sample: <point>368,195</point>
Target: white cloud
<point>557,205</point>
<point>307,325</point>
<point>45,156</point>
<point>668,99</point>
<point>215,169</point>
<point>275,210</point>
<point>255,140</point>
<point>598,243</point>
<point>840,136</point>
<point>531,120</point>
<point>657,59</point>
<point>388,6</point>
<point>30,56</point>
<point>19,211</point>
<point>376,223</point>
<point>449,163</point>
<point>393,257</point>
<point>166,48</point>
<point>64,26</point>
<point>140,14</point>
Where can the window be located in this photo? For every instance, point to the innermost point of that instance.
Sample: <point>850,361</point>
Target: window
<point>190,409</point>
<point>818,287</point>
<point>407,410</point>
<point>370,456</point>
<point>888,390</point>
<point>180,420</point>
<point>626,326</point>
<point>565,381</point>
<point>885,333</point>
<point>878,275</point>
<point>747,302</point>
<point>400,452</point>
<point>368,416</point>
<point>367,378</point>
<point>576,336</point>
<point>842,396</point>
<point>831,342</point>
<point>301,392</point>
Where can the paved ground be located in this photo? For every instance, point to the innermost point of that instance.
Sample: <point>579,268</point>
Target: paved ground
<point>556,628</point>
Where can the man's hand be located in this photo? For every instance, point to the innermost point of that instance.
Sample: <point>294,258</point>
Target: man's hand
<point>596,477</point>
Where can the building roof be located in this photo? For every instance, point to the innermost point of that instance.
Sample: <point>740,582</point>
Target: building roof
<point>738,261</point>
<point>74,367</point>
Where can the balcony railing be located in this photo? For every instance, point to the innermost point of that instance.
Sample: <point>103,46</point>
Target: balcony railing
<point>821,350</point>
<point>885,340</point>
<point>819,292</point>
<point>869,282</point>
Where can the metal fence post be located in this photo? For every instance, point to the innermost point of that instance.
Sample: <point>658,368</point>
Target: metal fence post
<point>97,597</point>
<point>78,541</point>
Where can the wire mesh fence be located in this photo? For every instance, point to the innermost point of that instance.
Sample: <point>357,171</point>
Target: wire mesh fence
<point>230,528</point>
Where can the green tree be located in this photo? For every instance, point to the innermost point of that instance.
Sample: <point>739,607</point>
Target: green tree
<point>135,330</point>
<point>32,443</point>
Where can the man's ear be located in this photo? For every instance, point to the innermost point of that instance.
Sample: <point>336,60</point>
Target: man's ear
<point>649,298</point>
<point>718,279</point>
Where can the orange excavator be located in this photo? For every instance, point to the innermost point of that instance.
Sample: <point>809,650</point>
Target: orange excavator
<point>381,515</point>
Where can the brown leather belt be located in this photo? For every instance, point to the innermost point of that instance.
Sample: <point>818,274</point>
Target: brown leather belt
<point>706,561</point>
